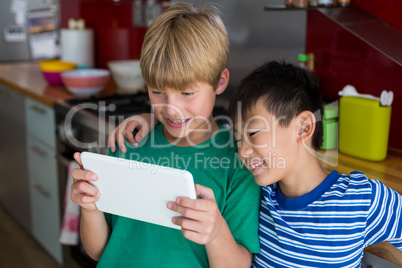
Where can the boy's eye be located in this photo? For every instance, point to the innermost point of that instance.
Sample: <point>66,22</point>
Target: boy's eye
<point>252,133</point>
<point>156,92</point>
<point>187,93</point>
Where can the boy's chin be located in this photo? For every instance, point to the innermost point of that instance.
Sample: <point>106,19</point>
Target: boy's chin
<point>177,133</point>
<point>264,179</point>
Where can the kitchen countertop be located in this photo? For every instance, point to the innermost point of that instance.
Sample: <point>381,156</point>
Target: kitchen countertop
<point>26,78</point>
<point>388,171</point>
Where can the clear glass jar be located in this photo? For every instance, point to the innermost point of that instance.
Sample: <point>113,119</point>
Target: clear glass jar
<point>313,3</point>
<point>344,3</point>
<point>300,3</point>
<point>327,3</point>
<point>288,3</point>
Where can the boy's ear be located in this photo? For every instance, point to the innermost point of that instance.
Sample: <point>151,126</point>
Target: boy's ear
<point>223,82</point>
<point>305,126</point>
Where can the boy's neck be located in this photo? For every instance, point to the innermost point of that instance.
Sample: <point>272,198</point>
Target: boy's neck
<point>196,137</point>
<point>304,177</point>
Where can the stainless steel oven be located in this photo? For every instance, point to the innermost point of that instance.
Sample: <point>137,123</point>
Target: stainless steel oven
<point>83,124</point>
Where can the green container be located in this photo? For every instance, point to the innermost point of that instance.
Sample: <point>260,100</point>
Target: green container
<point>330,125</point>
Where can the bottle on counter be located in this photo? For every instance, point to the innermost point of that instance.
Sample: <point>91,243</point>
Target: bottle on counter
<point>326,3</point>
<point>344,3</point>
<point>300,3</point>
<point>313,3</point>
<point>153,10</point>
<point>310,61</point>
<point>139,19</point>
<point>288,3</point>
<point>302,61</point>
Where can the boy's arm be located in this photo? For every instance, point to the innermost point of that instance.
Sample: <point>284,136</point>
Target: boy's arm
<point>94,230</point>
<point>225,252</point>
<point>94,233</point>
<point>144,123</point>
<point>384,221</point>
<point>203,224</point>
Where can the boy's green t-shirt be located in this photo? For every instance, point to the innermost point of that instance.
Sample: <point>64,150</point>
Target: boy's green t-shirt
<point>213,164</point>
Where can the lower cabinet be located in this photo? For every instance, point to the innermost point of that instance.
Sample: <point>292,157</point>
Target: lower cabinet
<point>14,190</point>
<point>43,180</point>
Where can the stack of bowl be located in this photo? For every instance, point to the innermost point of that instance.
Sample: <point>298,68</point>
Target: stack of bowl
<point>52,69</point>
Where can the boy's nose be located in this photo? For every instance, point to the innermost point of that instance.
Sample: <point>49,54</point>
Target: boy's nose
<point>245,150</point>
<point>172,110</point>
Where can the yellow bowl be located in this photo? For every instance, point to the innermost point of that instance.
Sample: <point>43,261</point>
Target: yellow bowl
<point>57,66</point>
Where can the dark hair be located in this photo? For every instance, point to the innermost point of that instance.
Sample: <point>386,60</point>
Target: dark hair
<point>286,90</point>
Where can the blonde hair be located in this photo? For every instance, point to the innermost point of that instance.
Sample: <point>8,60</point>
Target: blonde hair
<point>183,46</point>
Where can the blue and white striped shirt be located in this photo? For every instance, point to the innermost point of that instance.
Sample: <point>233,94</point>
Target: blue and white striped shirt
<point>330,226</point>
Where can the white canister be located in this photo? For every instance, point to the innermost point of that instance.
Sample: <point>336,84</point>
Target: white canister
<point>78,46</point>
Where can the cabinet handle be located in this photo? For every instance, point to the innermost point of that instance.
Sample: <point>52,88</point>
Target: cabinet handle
<point>38,151</point>
<point>37,109</point>
<point>41,190</point>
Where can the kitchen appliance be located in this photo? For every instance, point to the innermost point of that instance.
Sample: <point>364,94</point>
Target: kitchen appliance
<point>83,124</point>
<point>29,29</point>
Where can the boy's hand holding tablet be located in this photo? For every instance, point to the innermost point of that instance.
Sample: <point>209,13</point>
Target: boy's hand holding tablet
<point>135,189</point>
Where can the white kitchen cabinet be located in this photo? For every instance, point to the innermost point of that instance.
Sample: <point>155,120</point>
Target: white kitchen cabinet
<point>14,189</point>
<point>43,180</point>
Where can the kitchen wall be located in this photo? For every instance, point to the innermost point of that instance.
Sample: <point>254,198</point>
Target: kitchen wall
<point>344,58</point>
<point>116,37</point>
<point>255,34</point>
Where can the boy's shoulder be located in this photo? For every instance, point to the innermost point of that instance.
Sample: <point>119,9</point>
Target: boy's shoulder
<point>222,143</point>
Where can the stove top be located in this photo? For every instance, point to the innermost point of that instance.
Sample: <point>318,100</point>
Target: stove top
<point>113,109</point>
<point>114,106</point>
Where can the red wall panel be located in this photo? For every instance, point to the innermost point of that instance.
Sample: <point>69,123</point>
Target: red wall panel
<point>115,36</point>
<point>387,10</point>
<point>342,58</point>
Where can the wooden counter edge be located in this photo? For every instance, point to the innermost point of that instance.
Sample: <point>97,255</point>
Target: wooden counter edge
<point>27,93</point>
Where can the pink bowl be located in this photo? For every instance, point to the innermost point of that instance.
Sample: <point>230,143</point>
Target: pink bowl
<point>76,81</point>
<point>53,78</point>
<point>85,81</point>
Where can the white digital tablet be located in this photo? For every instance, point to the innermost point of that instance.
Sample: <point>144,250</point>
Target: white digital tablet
<point>138,190</point>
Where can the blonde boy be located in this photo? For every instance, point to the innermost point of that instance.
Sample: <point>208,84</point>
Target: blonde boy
<point>183,61</point>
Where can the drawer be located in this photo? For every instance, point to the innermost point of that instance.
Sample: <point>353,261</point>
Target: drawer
<point>40,122</point>
<point>46,217</point>
<point>42,161</point>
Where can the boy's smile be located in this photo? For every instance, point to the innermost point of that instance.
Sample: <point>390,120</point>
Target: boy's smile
<point>264,146</point>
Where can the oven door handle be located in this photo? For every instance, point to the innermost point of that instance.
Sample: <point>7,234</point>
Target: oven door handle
<point>63,160</point>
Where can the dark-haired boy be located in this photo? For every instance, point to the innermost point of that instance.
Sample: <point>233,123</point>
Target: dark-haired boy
<point>307,217</point>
